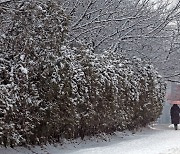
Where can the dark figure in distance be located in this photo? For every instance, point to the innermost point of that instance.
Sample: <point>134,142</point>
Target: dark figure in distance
<point>175,110</point>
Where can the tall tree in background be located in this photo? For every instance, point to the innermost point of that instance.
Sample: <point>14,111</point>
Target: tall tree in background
<point>132,27</point>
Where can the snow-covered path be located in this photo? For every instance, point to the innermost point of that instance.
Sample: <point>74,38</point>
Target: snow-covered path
<point>159,139</point>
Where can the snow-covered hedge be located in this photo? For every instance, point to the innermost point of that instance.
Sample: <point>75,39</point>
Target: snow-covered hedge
<point>50,91</point>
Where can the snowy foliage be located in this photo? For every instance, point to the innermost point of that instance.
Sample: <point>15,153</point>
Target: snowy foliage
<point>50,90</point>
<point>144,28</point>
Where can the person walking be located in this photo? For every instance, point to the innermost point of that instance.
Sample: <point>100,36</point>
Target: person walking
<point>175,110</point>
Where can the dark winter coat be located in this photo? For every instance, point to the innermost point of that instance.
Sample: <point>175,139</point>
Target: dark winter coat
<point>175,110</point>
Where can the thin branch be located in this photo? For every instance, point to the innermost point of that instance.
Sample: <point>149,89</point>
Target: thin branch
<point>105,38</point>
<point>106,21</point>
<point>84,14</point>
<point>175,75</point>
<point>84,32</point>
<point>176,81</point>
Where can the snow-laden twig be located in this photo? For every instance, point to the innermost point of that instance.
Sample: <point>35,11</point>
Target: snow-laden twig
<point>84,14</point>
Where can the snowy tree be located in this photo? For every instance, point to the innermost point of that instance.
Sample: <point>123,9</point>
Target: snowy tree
<point>51,89</point>
<point>140,28</point>
<point>33,33</point>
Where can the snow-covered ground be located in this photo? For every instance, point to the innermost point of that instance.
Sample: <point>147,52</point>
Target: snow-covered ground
<point>157,139</point>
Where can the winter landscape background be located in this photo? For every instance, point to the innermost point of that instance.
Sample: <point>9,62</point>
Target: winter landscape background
<point>87,71</point>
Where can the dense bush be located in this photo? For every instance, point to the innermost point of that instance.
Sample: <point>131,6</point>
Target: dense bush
<point>50,91</point>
